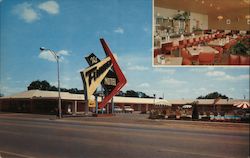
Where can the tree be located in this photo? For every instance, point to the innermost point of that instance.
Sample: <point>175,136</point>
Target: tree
<point>41,85</point>
<point>131,93</point>
<point>213,95</point>
<point>120,93</point>
<point>35,85</point>
<point>44,85</point>
<point>1,94</point>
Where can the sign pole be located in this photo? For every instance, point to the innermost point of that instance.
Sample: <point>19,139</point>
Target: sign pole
<point>96,104</point>
<point>112,104</point>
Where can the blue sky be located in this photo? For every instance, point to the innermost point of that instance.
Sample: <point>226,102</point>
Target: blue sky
<point>73,29</point>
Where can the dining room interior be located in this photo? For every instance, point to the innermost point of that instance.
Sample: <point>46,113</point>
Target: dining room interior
<point>201,32</point>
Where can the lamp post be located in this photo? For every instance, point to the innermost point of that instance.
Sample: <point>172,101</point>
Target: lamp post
<point>58,79</point>
<point>154,98</point>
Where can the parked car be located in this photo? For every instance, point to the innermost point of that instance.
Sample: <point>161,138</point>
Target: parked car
<point>128,109</point>
<point>117,109</point>
<point>100,110</point>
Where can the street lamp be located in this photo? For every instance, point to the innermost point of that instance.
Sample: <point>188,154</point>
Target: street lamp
<point>154,98</point>
<point>58,77</point>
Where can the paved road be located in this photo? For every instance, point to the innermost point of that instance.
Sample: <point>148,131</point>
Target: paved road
<point>63,138</point>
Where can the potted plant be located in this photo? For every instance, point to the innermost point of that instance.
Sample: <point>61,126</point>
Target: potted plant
<point>241,48</point>
<point>182,16</point>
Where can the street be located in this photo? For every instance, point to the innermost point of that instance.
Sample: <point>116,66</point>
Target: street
<point>66,138</point>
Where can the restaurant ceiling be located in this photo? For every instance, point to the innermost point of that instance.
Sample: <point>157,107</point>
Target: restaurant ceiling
<point>233,8</point>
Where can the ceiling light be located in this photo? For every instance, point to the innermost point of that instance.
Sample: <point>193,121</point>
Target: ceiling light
<point>211,5</point>
<point>220,17</point>
<point>246,1</point>
<point>247,16</point>
<point>203,2</point>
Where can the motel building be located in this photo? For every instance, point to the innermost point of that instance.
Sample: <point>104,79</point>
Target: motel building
<point>46,102</point>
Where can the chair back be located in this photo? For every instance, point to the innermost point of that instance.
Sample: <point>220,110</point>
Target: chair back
<point>206,58</point>
<point>234,59</point>
<point>220,49</point>
<point>185,54</point>
<point>244,60</point>
<point>218,56</point>
<point>183,42</point>
<point>156,52</point>
<point>190,40</point>
<point>186,61</point>
<point>169,44</point>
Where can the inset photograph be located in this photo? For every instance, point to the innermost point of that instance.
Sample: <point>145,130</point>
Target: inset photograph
<point>201,32</point>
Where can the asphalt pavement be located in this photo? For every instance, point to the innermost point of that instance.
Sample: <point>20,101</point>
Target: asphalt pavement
<point>44,136</point>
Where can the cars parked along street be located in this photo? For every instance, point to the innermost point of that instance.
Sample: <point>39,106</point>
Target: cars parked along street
<point>128,109</point>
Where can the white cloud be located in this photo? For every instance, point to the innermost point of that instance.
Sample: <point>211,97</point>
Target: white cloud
<point>215,73</point>
<point>145,29</point>
<point>231,89</point>
<point>8,90</point>
<point>50,7</point>
<point>26,12</point>
<point>201,70</point>
<point>144,85</point>
<point>63,52</point>
<point>138,68</point>
<point>172,81</point>
<point>185,90</point>
<point>200,91</point>
<point>167,71</point>
<point>9,78</point>
<point>233,78</point>
<point>47,55</point>
<point>1,1</point>
<point>119,30</point>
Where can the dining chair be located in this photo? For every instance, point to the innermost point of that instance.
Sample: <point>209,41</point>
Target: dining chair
<point>244,60</point>
<point>213,36</point>
<point>167,48</point>
<point>157,51</point>
<point>206,58</point>
<point>234,59</point>
<point>182,44</point>
<point>185,54</point>
<point>190,42</point>
<point>219,35</point>
<point>201,39</point>
<point>196,41</point>
<point>226,47</point>
<point>186,61</point>
<point>218,56</point>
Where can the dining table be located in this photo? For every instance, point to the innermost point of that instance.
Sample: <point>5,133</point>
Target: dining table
<point>196,50</point>
<point>219,42</point>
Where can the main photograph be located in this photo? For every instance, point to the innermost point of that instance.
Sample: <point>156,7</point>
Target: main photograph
<point>77,80</point>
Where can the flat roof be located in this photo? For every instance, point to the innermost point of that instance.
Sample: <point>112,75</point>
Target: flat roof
<point>40,94</point>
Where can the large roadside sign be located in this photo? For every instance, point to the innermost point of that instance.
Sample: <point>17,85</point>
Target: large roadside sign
<point>106,73</point>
